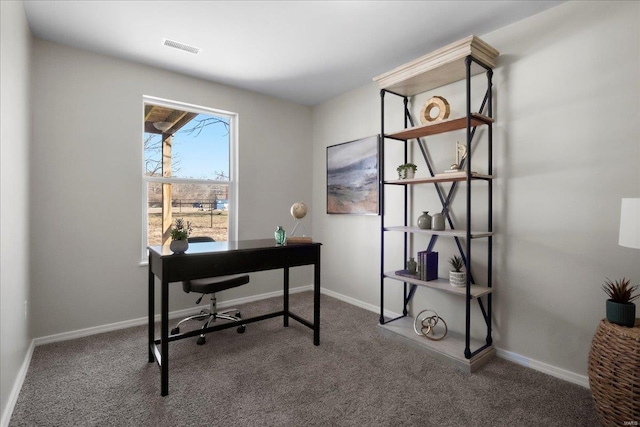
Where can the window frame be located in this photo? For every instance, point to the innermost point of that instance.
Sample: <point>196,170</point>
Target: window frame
<point>232,183</point>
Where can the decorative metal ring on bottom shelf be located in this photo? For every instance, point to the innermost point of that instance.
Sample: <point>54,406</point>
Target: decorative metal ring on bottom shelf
<point>427,325</point>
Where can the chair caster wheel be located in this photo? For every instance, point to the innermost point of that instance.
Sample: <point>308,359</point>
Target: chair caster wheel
<point>175,331</point>
<point>201,340</point>
<point>241,329</point>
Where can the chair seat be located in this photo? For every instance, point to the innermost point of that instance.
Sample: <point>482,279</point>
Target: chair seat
<point>215,284</point>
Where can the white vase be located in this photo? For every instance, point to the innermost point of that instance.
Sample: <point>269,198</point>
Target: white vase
<point>179,246</point>
<point>457,279</point>
<point>409,173</point>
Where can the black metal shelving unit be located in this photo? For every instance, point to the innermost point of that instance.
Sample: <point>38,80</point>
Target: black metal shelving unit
<point>474,57</point>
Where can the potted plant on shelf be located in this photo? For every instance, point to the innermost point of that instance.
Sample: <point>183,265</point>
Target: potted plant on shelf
<point>620,308</point>
<point>457,277</point>
<point>179,235</point>
<point>406,171</point>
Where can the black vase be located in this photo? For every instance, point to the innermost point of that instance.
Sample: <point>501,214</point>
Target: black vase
<point>621,313</point>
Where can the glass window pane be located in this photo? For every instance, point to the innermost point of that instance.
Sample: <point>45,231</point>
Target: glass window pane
<point>203,205</point>
<point>200,149</point>
<point>152,154</point>
<point>182,144</point>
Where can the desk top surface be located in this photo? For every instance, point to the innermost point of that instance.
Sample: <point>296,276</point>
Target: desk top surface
<point>239,245</point>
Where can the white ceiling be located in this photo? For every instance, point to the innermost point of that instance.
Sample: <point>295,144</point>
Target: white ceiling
<point>303,51</point>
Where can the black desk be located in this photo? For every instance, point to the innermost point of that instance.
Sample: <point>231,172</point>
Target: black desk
<point>220,259</point>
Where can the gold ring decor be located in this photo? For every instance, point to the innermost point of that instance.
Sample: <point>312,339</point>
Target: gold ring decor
<point>427,325</point>
<point>434,102</point>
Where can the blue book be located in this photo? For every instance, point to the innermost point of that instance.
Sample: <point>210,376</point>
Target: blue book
<point>431,266</point>
<point>427,265</point>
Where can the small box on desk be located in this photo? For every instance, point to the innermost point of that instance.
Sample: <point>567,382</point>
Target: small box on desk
<point>428,265</point>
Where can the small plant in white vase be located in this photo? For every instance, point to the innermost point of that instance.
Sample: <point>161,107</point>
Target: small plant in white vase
<point>406,171</point>
<point>457,277</point>
<point>179,235</point>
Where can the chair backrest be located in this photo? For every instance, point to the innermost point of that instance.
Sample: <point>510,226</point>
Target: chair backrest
<point>200,239</point>
<point>186,285</point>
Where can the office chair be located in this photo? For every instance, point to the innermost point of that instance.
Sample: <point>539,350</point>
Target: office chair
<point>210,286</point>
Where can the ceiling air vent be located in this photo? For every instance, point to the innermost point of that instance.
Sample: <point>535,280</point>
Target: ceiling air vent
<point>181,46</point>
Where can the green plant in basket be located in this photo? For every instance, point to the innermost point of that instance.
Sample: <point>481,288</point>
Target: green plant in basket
<point>182,230</point>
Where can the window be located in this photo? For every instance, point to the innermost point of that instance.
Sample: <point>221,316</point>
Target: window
<point>188,171</point>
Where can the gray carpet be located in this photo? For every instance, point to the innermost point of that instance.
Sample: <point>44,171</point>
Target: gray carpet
<point>275,376</point>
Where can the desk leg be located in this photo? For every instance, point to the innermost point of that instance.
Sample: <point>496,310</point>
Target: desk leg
<point>164,337</point>
<point>316,301</point>
<point>152,298</point>
<point>286,297</point>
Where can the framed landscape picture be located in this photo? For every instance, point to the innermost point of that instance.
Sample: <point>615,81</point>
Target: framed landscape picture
<point>352,177</point>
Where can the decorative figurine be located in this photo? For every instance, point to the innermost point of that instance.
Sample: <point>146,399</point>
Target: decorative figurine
<point>461,154</point>
<point>425,325</point>
<point>435,102</point>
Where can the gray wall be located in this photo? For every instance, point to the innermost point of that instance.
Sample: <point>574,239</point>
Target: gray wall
<point>567,149</point>
<point>86,192</point>
<point>15,51</point>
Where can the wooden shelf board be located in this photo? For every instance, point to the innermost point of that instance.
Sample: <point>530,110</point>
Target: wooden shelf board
<point>442,285</point>
<point>450,349</point>
<point>438,68</point>
<point>450,233</point>
<point>443,177</point>
<point>442,126</point>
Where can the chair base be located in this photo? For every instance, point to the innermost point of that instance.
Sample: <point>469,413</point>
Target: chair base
<point>209,316</point>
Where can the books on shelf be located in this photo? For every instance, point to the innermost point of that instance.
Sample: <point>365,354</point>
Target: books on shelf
<point>427,267</point>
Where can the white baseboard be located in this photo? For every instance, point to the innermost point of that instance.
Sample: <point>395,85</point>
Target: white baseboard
<point>17,386</point>
<point>554,371</point>
<point>563,374</point>
<point>361,304</point>
<point>172,315</point>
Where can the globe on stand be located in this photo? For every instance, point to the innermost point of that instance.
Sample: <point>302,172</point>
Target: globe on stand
<point>298,212</point>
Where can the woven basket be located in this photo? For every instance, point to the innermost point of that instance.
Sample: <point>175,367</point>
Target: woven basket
<point>614,373</point>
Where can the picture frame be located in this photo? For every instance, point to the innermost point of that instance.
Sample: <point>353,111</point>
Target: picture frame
<point>353,171</point>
